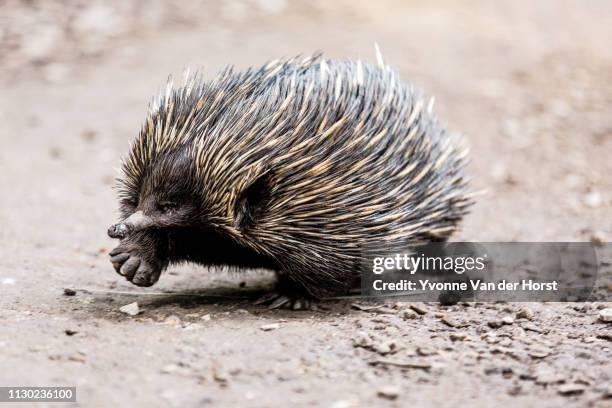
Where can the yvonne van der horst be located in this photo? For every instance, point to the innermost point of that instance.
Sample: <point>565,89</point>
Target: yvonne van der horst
<point>476,284</point>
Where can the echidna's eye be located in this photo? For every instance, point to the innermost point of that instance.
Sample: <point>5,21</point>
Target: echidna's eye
<point>167,206</point>
<point>130,203</point>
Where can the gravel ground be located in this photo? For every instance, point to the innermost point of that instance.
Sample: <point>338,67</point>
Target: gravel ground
<point>530,84</point>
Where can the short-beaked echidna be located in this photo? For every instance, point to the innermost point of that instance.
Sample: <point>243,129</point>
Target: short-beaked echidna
<point>300,165</point>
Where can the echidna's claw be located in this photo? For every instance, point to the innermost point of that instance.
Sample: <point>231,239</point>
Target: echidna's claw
<point>119,258</point>
<point>267,298</point>
<point>280,301</point>
<point>276,300</point>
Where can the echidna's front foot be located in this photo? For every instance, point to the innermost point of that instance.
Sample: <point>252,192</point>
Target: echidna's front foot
<point>277,300</point>
<point>134,266</point>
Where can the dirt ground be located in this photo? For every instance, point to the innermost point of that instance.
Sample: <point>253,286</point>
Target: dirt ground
<point>528,83</point>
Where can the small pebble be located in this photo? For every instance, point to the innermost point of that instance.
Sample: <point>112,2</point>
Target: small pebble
<point>570,389</point>
<point>606,335</point>
<point>173,320</point>
<point>409,314</point>
<point>546,376</point>
<point>362,340</point>
<point>593,199</point>
<point>346,403</point>
<point>598,238</point>
<point>131,309</point>
<point>533,328</point>
<point>69,292</point>
<point>88,135</point>
<point>515,390</point>
<point>539,353</point>
<point>55,152</point>
<point>169,369</point>
<point>383,310</point>
<point>389,392</point>
<point>192,326</point>
<point>524,313</point>
<point>426,351</point>
<point>270,327</point>
<point>77,357</point>
<point>495,324</point>
<point>458,336</point>
<point>450,322</point>
<point>365,308</point>
<point>605,315</point>
<point>221,375</point>
<point>384,347</point>
<point>418,309</point>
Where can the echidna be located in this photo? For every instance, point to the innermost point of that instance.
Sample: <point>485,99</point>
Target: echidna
<point>301,165</point>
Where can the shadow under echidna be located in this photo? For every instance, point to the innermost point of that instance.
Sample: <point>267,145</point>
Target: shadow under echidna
<point>301,166</point>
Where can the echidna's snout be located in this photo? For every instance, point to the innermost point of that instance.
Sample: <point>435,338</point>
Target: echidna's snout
<point>134,222</point>
<point>118,231</point>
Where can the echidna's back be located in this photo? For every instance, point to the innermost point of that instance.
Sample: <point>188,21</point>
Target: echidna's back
<point>357,156</point>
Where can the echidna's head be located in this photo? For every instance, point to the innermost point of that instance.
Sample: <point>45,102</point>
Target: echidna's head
<point>165,195</point>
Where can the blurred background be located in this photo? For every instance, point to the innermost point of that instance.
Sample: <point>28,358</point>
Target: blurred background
<point>528,83</point>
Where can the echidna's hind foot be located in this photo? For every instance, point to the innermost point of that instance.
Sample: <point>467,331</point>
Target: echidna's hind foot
<point>289,294</point>
<point>278,300</point>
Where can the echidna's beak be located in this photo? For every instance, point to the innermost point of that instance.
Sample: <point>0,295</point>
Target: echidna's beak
<point>134,222</point>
